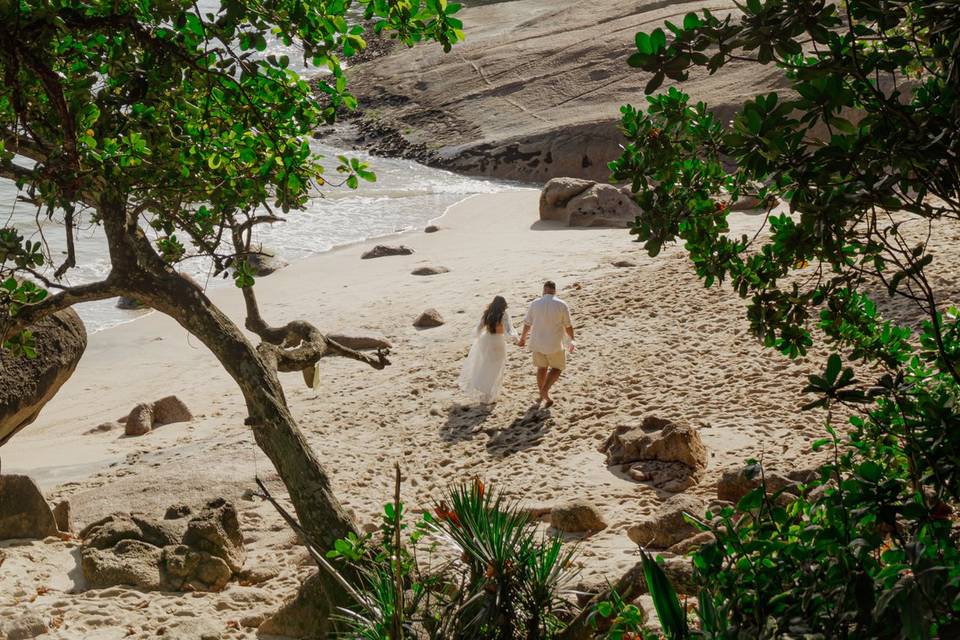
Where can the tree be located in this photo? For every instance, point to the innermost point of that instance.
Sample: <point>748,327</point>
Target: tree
<point>167,116</point>
<point>864,147</point>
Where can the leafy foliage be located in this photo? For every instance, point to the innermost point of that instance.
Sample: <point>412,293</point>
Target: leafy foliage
<point>864,149</point>
<point>175,112</point>
<point>487,574</point>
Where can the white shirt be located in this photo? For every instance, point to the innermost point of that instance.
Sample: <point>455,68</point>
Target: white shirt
<point>547,318</point>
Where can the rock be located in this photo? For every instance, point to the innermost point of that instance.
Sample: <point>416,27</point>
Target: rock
<point>667,526</point>
<point>107,532</point>
<point>693,542</point>
<point>736,483</point>
<point>216,530</point>
<point>265,263</point>
<point>669,455</point>
<point>27,384</point>
<point>187,569</point>
<point>144,417</point>
<point>557,193</point>
<point>576,516</point>
<point>429,271</point>
<point>125,302</point>
<point>583,203</point>
<point>428,319</point>
<point>381,251</point>
<point>431,228</point>
<point>139,421</point>
<point>679,443</point>
<point>177,511</point>
<point>61,513</point>
<point>129,562</point>
<point>623,264</point>
<point>23,511</point>
<point>23,627</point>
<point>169,410</point>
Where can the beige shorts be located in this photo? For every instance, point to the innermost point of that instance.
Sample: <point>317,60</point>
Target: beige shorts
<point>556,360</point>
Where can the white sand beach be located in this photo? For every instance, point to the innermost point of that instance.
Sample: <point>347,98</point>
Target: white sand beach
<point>651,342</point>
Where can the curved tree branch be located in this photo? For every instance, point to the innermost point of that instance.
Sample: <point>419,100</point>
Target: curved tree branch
<point>68,297</point>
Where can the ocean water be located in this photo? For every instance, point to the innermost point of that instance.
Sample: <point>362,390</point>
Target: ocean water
<point>405,196</point>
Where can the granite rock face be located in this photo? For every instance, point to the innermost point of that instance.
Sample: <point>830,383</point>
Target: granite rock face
<point>27,384</point>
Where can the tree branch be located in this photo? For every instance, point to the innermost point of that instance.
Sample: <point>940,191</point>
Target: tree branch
<point>67,298</point>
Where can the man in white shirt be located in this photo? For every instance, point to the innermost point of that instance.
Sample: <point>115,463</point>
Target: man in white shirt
<point>548,319</point>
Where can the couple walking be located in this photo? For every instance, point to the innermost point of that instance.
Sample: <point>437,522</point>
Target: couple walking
<point>548,326</point>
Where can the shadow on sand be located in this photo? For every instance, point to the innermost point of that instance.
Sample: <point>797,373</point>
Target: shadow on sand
<point>523,433</point>
<point>464,421</point>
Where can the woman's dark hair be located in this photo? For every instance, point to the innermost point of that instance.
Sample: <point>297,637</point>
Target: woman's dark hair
<point>494,313</point>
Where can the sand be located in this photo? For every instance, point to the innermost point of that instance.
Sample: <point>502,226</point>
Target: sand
<point>651,341</point>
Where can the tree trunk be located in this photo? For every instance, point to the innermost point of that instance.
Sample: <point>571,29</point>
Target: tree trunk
<point>142,274</point>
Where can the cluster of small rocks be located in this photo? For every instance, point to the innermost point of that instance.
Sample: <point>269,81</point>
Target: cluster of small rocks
<point>144,417</point>
<point>201,553</point>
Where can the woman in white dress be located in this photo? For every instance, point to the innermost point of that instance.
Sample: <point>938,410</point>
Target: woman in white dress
<point>482,373</point>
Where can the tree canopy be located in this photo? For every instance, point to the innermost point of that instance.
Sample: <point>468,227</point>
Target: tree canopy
<point>169,124</point>
<point>863,147</point>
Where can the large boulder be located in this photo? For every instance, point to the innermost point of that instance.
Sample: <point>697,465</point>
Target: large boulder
<point>129,562</point>
<point>576,516</point>
<point>669,455</point>
<point>583,203</point>
<point>145,416</point>
<point>23,511</point>
<point>216,530</point>
<point>667,526</point>
<point>27,384</point>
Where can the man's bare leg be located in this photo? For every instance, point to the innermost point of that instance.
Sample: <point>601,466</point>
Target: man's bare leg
<point>552,377</point>
<point>541,380</point>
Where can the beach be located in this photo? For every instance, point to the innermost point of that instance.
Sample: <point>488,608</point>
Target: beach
<point>651,342</point>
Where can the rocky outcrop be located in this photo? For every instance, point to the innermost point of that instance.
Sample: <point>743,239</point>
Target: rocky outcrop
<point>202,554</point>
<point>535,91</point>
<point>382,251</point>
<point>583,203</point>
<point>428,319</point>
<point>23,511</point>
<point>667,526</point>
<point>671,456</point>
<point>129,304</point>
<point>576,516</point>
<point>27,384</point>
<point>145,416</point>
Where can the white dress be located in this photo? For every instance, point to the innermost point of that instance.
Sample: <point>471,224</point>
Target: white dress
<point>482,373</point>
